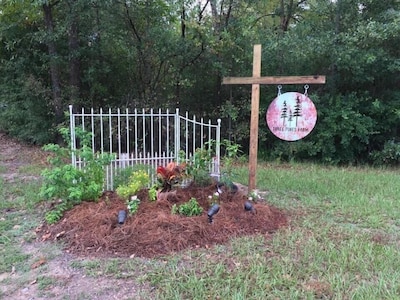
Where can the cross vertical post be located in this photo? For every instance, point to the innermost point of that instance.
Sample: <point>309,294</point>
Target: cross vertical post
<point>255,104</point>
<point>255,81</point>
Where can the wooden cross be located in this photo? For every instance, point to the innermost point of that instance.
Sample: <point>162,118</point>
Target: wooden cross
<point>255,81</point>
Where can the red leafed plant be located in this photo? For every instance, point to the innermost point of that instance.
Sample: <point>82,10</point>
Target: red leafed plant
<point>170,175</point>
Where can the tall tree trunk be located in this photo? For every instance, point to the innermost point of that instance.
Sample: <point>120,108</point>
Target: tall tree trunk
<point>221,20</point>
<point>286,15</point>
<point>287,12</point>
<point>183,20</point>
<point>54,66</point>
<point>73,45</point>
<point>215,18</point>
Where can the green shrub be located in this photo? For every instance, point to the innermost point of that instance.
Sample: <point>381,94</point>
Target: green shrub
<point>390,154</point>
<point>68,184</point>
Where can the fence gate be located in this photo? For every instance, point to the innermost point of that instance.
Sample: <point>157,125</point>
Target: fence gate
<point>144,138</point>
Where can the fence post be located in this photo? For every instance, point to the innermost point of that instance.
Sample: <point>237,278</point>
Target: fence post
<point>73,139</point>
<point>101,131</point>
<point>218,147</point>
<point>93,133</point>
<point>177,135</point>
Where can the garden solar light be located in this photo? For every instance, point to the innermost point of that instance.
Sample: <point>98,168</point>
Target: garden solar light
<point>248,206</point>
<point>219,187</point>
<point>121,216</point>
<point>212,211</point>
<point>234,188</point>
<point>219,190</point>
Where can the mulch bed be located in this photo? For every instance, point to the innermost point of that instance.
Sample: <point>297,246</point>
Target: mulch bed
<point>92,229</point>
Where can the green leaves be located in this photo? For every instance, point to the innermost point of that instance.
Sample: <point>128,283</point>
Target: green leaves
<point>174,54</point>
<point>188,209</point>
<point>197,166</point>
<point>133,205</point>
<point>69,184</point>
<point>137,181</point>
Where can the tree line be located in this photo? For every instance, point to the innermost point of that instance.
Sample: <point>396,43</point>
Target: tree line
<point>174,53</point>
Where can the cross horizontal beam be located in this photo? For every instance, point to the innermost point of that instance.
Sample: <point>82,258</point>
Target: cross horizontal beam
<point>315,79</point>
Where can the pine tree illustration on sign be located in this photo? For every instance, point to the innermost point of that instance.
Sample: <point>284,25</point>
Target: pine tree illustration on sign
<point>284,113</point>
<point>291,116</point>
<point>297,108</point>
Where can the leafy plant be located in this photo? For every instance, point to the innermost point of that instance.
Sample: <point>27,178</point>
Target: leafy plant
<point>123,175</point>
<point>138,180</point>
<point>133,205</point>
<point>68,184</point>
<point>253,196</point>
<point>56,214</point>
<point>170,175</point>
<point>232,153</point>
<point>198,166</point>
<point>153,193</point>
<point>390,154</point>
<point>189,209</point>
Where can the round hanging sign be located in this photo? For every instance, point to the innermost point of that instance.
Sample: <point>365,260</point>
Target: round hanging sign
<point>291,116</point>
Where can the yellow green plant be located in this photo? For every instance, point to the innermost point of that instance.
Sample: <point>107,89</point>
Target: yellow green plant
<point>137,181</point>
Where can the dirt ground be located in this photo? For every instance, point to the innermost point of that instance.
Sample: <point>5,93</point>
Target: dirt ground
<point>91,230</point>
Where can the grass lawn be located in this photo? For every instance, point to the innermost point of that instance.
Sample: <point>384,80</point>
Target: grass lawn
<point>343,242</point>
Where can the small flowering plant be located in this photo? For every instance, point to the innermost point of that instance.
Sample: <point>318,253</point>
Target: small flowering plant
<point>253,196</point>
<point>137,181</point>
<point>213,199</point>
<point>133,205</point>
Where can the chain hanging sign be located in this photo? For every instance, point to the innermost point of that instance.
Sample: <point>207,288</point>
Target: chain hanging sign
<point>291,116</point>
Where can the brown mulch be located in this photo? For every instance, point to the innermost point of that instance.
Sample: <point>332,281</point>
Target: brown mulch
<point>92,229</point>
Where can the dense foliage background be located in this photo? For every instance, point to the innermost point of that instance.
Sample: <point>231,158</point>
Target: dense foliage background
<point>168,54</point>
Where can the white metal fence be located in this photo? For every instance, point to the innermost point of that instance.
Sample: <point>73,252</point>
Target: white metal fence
<point>147,138</point>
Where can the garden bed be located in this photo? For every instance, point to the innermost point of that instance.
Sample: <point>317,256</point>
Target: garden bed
<point>92,228</point>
